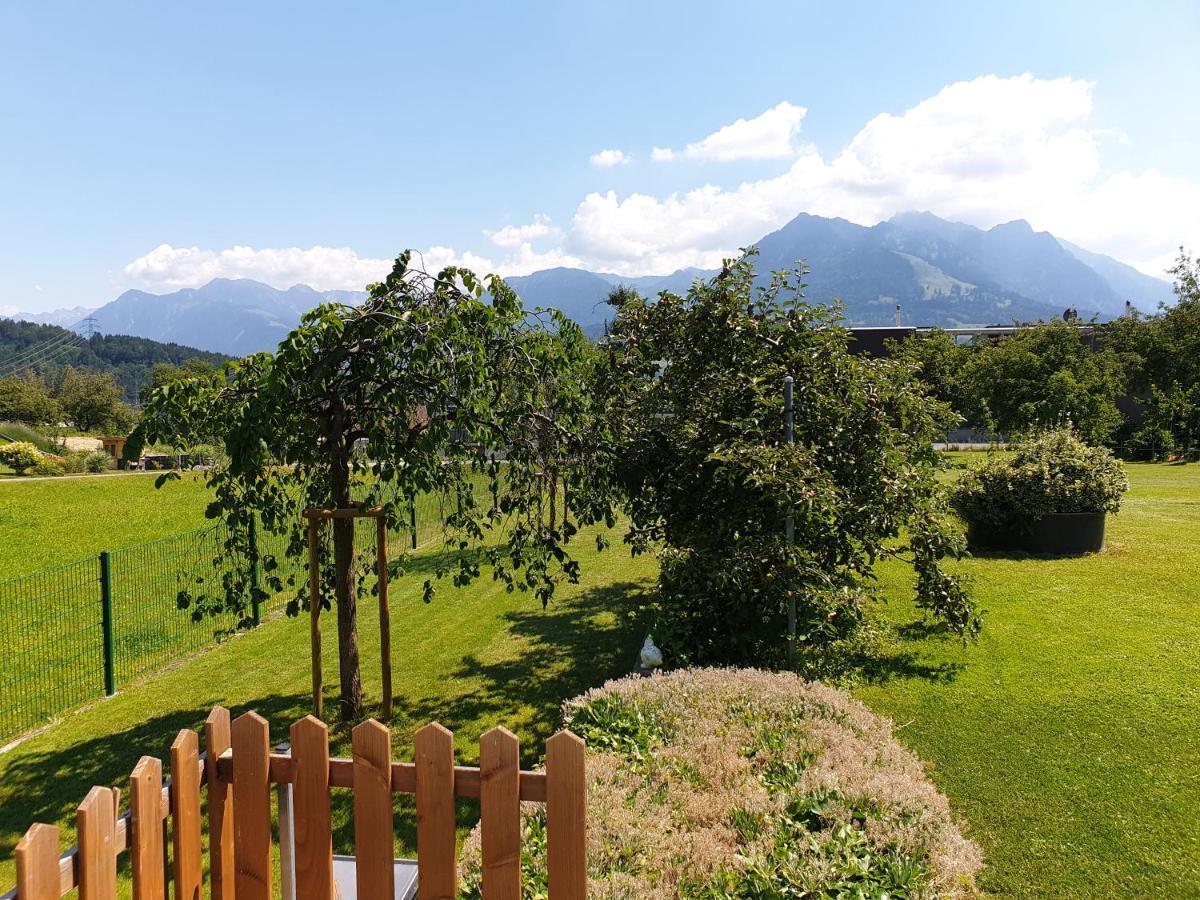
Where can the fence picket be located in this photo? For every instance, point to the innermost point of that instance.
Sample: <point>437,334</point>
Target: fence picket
<point>373,828</point>
<point>566,817</point>
<point>310,804</point>
<point>185,814</point>
<point>37,864</point>
<point>146,831</point>
<point>251,807</point>
<point>437,876</point>
<point>220,807</point>
<point>500,814</point>
<point>96,824</point>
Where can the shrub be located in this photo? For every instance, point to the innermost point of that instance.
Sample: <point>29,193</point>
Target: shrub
<point>18,431</point>
<point>19,455</point>
<point>98,461</point>
<point>75,462</point>
<point>48,466</point>
<point>726,783</point>
<point>1055,472</point>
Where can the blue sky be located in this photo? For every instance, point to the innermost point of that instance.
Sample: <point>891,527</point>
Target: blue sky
<point>156,145</point>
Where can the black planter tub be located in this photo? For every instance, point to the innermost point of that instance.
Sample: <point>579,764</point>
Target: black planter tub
<point>1058,534</point>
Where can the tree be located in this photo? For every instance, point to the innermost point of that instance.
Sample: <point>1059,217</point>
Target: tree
<point>1044,377</point>
<point>92,401</point>
<point>695,417</point>
<point>25,399</point>
<point>939,361</point>
<point>413,391</point>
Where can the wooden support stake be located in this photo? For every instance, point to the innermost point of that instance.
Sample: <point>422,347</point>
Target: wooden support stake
<point>385,615</point>
<point>220,807</point>
<point>314,605</point>
<point>37,864</point>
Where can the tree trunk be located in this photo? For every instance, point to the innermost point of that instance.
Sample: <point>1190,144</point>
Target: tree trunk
<point>345,594</point>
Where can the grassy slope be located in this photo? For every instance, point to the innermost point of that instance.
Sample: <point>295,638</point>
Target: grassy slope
<point>472,659</point>
<point>44,523</point>
<point>1069,738</point>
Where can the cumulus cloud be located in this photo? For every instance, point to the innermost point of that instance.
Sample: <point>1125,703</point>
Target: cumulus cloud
<point>771,135</point>
<point>606,159</point>
<point>513,236</point>
<point>662,154</point>
<point>324,268</point>
<point>982,152</point>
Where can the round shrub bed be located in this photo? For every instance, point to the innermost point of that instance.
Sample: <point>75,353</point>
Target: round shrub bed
<point>739,783</point>
<point>1051,497</point>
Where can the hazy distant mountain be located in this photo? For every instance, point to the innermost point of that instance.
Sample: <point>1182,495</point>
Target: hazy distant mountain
<point>939,272</point>
<point>61,317</point>
<point>227,316</point>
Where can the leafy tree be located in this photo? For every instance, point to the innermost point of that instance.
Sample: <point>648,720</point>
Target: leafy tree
<point>92,401</point>
<point>939,361</point>
<point>1043,377</point>
<point>693,388</point>
<point>26,399</point>
<point>413,391</point>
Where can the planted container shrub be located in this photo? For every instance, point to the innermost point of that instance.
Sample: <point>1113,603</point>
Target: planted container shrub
<point>1051,497</point>
<point>736,783</point>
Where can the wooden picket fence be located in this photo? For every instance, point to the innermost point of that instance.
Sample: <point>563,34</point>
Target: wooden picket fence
<point>162,829</point>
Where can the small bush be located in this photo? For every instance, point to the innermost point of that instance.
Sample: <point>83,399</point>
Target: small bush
<point>1055,472</point>
<point>19,456</point>
<point>75,462</point>
<point>98,461</point>
<point>723,784</point>
<point>47,466</point>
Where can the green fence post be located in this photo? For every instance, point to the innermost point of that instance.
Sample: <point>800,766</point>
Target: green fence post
<point>106,623</point>
<point>255,612</point>
<point>412,515</point>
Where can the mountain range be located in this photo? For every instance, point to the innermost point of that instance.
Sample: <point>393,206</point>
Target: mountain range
<point>939,273</point>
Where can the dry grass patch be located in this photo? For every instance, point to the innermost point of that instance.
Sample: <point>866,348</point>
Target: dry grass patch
<point>724,783</point>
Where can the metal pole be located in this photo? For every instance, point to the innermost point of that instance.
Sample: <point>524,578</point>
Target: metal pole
<point>106,623</point>
<point>412,515</point>
<point>790,522</point>
<point>255,612</point>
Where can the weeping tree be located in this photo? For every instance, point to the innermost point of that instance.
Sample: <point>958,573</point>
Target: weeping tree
<point>695,433</point>
<point>439,385</point>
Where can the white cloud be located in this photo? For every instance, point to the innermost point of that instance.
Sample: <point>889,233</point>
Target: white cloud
<point>7,310</point>
<point>606,159</point>
<point>324,268</point>
<point>771,135</point>
<point>982,151</point>
<point>513,236</point>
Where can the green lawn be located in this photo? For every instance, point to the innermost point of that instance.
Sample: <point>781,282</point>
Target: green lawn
<point>51,521</point>
<point>1067,739</point>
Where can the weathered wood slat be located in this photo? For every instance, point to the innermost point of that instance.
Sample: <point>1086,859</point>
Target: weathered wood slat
<point>500,814</point>
<point>437,875</point>
<point>373,816</point>
<point>185,814</point>
<point>146,830</point>
<point>37,864</point>
<point>220,807</point>
<point>566,817</point>
<point>310,805</point>
<point>96,823</point>
<point>251,808</point>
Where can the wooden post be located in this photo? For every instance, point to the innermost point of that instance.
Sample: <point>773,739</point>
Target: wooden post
<point>314,605</point>
<point>566,817</point>
<point>185,813</point>
<point>385,615</point>
<point>500,814</point>
<point>96,824</point>
<point>37,864</point>
<point>220,807</point>
<point>373,834</point>
<point>145,824</point>
<point>251,807</point>
<point>437,873</point>
<point>310,804</point>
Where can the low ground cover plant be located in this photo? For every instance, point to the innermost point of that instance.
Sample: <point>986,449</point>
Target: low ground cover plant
<point>1052,473</point>
<point>726,783</point>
